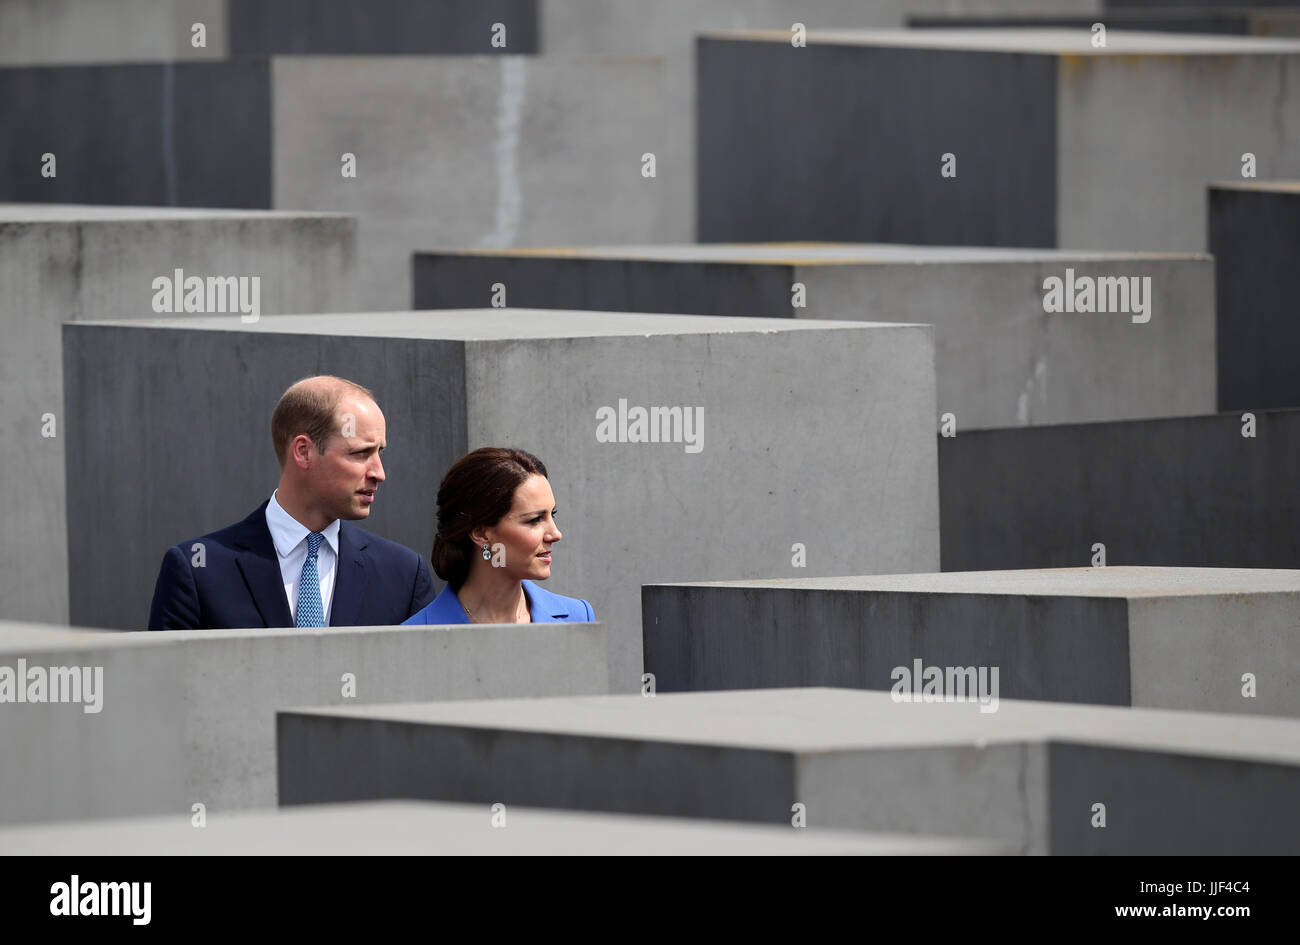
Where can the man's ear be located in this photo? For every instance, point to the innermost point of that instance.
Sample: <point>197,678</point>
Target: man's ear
<point>300,450</point>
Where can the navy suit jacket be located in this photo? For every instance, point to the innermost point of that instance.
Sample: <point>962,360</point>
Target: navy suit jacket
<point>378,582</point>
<point>542,604</point>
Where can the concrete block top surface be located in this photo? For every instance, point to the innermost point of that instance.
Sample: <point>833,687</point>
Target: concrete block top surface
<point>1260,186</point>
<point>464,62</point>
<point>78,213</point>
<point>1039,41</point>
<point>499,324</point>
<point>17,638</point>
<point>415,828</point>
<point>811,720</point>
<point>815,254</point>
<point>1119,581</point>
<point>1105,428</point>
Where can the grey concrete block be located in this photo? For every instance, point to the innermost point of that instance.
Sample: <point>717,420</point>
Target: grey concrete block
<point>449,151</point>
<point>115,31</point>
<point>1255,238</point>
<point>1028,774</point>
<point>67,263</point>
<point>405,27</point>
<point>669,28</point>
<point>774,396</point>
<point>187,718</point>
<point>487,151</point>
<point>1172,638</point>
<point>1146,5</point>
<point>1218,18</point>
<point>1000,358</point>
<point>1181,491</point>
<point>102,31</point>
<point>190,134</point>
<point>1056,143</point>
<point>36,32</point>
<point>407,828</point>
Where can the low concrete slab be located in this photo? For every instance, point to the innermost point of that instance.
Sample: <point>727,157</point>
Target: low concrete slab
<point>1249,19</point>
<point>1044,777</point>
<point>1205,639</point>
<point>166,720</point>
<point>1008,351</point>
<point>406,828</point>
<point>1212,491</point>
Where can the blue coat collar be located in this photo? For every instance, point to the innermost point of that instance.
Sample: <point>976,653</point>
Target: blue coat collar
<point>544,606</point>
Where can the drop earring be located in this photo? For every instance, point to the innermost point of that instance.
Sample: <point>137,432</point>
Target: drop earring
<point>487,555</point>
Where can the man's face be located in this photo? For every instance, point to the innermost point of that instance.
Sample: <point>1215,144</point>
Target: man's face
<point>344,480</point>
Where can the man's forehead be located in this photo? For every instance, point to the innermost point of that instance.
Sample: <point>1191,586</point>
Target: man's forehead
<point>359,407</point>
<point>360,419</point>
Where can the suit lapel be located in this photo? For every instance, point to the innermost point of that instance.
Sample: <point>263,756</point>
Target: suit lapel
<point>350,579</point>
<point>260,566</point>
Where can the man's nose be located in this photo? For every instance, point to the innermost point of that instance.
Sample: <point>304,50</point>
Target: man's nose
<point>376,470</point>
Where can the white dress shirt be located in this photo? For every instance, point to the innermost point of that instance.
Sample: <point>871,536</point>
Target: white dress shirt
<point>290,537</point>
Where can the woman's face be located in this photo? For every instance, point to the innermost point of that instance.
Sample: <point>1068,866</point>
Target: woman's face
<point>527,532</point>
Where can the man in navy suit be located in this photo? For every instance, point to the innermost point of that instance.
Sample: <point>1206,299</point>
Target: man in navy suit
<point>296,561</point>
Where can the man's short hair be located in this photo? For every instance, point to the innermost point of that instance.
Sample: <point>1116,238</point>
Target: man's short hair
<point>310,410</point>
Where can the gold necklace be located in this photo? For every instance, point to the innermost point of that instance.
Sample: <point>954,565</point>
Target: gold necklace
<point>470,614</point>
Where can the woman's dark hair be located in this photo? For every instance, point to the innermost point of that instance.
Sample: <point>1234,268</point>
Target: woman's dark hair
<point>477,491</point>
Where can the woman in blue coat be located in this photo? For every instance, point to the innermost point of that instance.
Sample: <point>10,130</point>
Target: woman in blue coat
<point>496,534</point>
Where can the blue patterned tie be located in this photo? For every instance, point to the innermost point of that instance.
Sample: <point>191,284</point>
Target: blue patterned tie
<point>311,612</point>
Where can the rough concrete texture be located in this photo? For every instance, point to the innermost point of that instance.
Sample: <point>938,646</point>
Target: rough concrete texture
<point>1180,19</point>
<point>1033,118</point>
<point>36,32</point>
<point>1190,4</point>
<point>67,263</point>
<point>1027,774</point>
<point>668,29</point>
<point>187,717</point>
<point>1000,359</point>
<point>1181,491</point>
<point>1139,182</point>
<point>114,31</point>
<point>1255,238</point>
<point>538,178</point>
<point>460,151</point>
<point>403,27</point>
<point>78,31</point>
<point>450,151</point>
<point>188,134</point>
<point>774,395</point>
<point>1173,638</point>
<point>408,828</point>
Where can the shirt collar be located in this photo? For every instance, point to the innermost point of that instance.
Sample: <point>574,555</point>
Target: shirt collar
<point>288,533</point>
